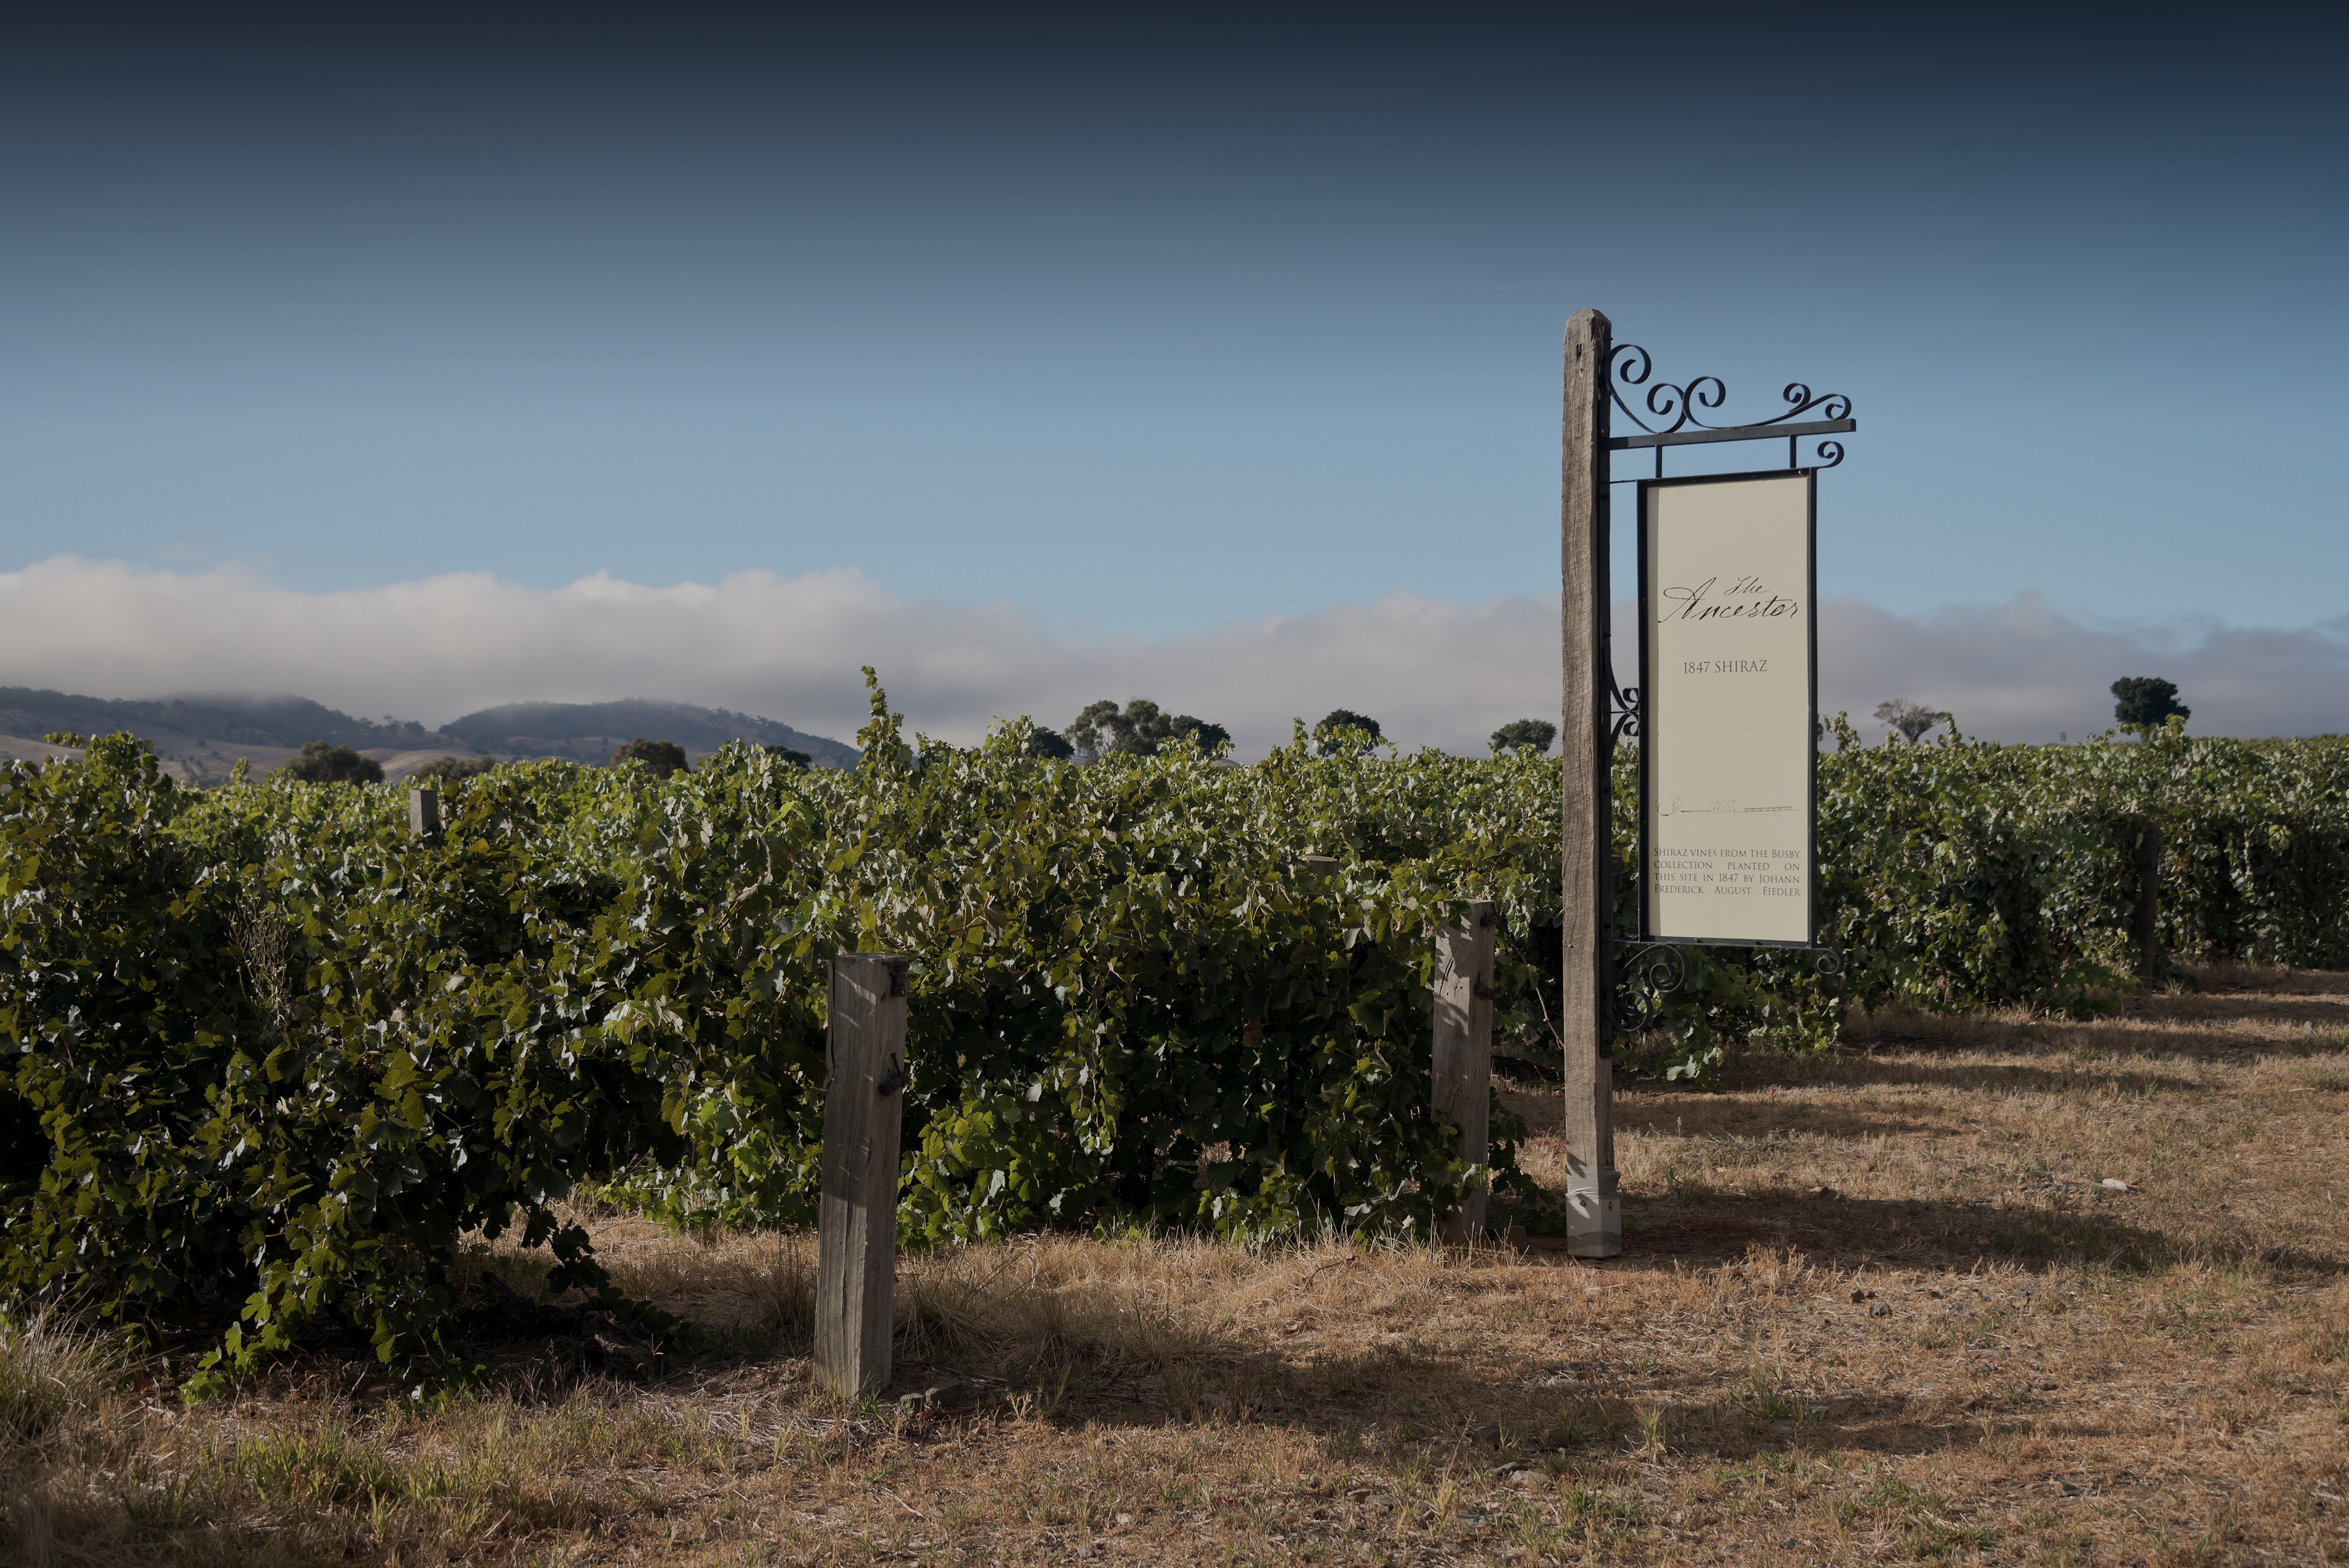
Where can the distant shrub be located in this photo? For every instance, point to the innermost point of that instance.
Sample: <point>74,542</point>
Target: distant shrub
<point>320,763</point>
<point>2147,703</point>
<point>1533,735</point>
<point>1140,729</point>
<point>786,754</point>
<point>1909,721</point>
<point>663,757</point>
<point>1343,732</point>
<point>453,768</point>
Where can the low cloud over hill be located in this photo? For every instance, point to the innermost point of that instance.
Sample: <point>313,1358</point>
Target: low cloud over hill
<point>1432,671</point>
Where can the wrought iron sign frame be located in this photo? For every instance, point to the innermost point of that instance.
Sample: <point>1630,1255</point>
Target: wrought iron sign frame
<point>1652,970</point>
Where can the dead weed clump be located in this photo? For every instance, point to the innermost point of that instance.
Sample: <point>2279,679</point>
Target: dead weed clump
<point>52,1375</point>
<point>60,1419</point>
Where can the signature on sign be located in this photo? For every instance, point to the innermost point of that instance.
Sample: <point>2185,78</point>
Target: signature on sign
<point>1676,806</point>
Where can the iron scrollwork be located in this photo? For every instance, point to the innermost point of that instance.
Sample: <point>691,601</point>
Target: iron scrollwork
<point>1653,970</point>
<point>1623,702</point>
<point>1675,405</point>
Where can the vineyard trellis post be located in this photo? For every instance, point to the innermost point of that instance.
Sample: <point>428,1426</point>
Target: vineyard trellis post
<point>1463,1049</point>
<point>424,817</point>
<point>856,1217</point>
<point>1595,1221</point>
<point>2145,928</point>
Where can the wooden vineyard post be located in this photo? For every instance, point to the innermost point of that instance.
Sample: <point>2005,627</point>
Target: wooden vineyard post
<point>2148,900</point>
<point>856,1220</point>
<point>1595,1216</point>
<point>1464,1048</point>
<point>424,817</point>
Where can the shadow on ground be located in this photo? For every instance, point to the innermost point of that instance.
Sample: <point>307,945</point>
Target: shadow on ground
<point>1699,1227</point>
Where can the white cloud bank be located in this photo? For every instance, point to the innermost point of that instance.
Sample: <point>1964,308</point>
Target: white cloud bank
<point>1432,671</point>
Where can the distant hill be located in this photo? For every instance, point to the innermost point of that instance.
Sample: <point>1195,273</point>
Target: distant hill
<point>272,721</point>
<point>588,731</point>
<point>201,739</point>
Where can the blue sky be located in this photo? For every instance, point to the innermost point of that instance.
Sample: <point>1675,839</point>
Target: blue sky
<point>1146,328</point>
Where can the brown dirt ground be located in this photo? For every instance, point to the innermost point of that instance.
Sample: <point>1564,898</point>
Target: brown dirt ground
<point>1876,1306</point>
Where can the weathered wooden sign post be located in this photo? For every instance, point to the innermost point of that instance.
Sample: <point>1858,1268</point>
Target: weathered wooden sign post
<point>1725,711</point>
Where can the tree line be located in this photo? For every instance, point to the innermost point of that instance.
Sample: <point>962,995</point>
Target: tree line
<point>2145,704</point>
<point>1142,728</point>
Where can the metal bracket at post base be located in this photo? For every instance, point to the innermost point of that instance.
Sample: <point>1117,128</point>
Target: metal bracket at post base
<point>1594,1213</point>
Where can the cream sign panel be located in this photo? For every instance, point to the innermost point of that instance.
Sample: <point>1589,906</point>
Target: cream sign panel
<point>1729,756</point>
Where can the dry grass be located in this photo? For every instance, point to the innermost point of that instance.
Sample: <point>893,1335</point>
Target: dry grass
<point>1877,1307</point>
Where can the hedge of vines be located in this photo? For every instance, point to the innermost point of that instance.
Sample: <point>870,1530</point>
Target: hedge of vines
<point>271,1060</point>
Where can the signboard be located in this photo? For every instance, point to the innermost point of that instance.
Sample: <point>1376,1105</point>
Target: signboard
<point>1728,708</point>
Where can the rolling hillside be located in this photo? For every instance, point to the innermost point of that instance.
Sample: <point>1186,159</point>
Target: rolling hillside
<point>201,739</point>
<point>587,731</point>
